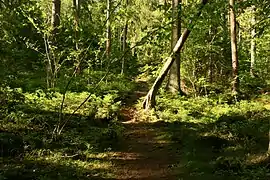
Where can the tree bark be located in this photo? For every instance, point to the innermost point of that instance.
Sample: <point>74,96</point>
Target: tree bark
<point>55,21</point>
<point>52,62</point>
<point>269,143</point>
<point>252,43</point>
<point>235,63</point>
<point>124,42</point>
<point>108,31</point>
<point>174,81</point>
<point>149,101</point>
<point>76,7</point>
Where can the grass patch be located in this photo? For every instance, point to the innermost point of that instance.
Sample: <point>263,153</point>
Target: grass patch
<point>215,139</point>
<point>28,150</point>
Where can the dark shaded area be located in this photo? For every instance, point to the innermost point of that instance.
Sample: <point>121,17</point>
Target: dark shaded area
<point>137,150</point>
<point>32,138</point>
<point>195,150</point>
<point>160,150</point>
<point>37,169</point>
<point>132,97</point>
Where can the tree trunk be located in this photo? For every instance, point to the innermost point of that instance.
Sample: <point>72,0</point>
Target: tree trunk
<point>210,72</point>
<point>149,101</point>
<point>124,42</point>
<point>269,143</point>
<point>252,43</point>
<point>49,71</point>
<point>235,84</point>
<point>52,64</point>
<point>212,32</point>
<point>55,21</point>
<point>108,31</point>
<point>174,81</point>
<point>76,7</point>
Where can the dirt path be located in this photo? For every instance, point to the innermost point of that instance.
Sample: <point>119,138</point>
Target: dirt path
<point>146,152</point>
<point>176,150</point>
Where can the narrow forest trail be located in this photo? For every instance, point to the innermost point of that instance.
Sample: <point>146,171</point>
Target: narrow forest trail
<point>146,152</point>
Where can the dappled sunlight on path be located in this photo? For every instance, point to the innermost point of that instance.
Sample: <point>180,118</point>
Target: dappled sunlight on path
<point>146,152</point>
<point>145,155</point>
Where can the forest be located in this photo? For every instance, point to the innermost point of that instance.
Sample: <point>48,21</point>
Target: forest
<point>135,89</point>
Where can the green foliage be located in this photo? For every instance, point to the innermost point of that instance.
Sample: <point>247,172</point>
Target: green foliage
<point>206,109</point>
<point>11,101</point>
<point>26,133</point>
<point>97,107</point>
<point>215,139</point>
<point>211,126</point>
<point>252,85</point>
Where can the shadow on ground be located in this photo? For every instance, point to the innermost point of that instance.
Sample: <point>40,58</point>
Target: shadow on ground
<point>231,148</point>
<point>27,150</point>
<point>221,150</point>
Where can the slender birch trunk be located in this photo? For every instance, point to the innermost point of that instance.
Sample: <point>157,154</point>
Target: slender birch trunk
<point>125,31</point>
<point>108,31</point>
<point>235,63</point>
<point>252,43</point>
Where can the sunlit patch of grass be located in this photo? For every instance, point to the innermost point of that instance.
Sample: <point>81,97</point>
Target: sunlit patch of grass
<point>214,136</point>
<point>233,148</point>
<point>257,158</point>
<point>30,151</point>
<point>60,159</point>
<point>267,106</point>
<point>52,164</point>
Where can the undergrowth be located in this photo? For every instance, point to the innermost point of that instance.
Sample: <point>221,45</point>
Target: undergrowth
<point>215,139</point>
<point>28,120</point>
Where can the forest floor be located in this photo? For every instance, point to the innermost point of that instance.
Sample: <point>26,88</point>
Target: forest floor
<point>178,150</point>
<point>146,153</point>
<point>231,146</point>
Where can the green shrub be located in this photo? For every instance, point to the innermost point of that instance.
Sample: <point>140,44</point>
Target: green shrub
<point>10,101</point>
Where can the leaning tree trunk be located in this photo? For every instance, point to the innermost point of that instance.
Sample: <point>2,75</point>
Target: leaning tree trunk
<point>235,84</point>
<point>149,101</point>
<point>174,81</point>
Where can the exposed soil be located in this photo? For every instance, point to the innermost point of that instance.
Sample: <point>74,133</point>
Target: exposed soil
<point>145,153</point>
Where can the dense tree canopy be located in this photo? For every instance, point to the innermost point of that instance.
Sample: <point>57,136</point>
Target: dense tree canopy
<point>84,82</point>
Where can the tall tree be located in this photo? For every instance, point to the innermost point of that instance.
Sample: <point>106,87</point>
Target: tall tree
<point>76,6</point>
<point>174,81</point>
<point>124,43</point>
<point>252,43</point>
<point>269,144</point>
<point>149,101</point>
<point>108,30</point>
<point>52,65</point>
<point>55,21</point>
<point>235,63</point>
